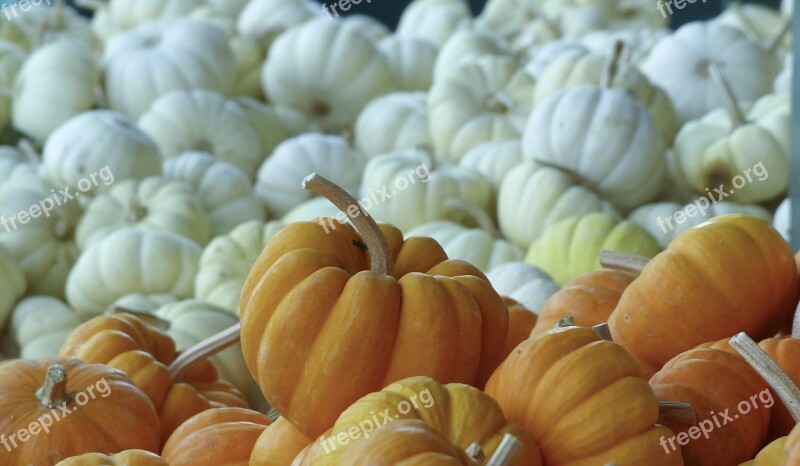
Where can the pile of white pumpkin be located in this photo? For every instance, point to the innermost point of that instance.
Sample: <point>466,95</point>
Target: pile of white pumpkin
<point>543,142</point>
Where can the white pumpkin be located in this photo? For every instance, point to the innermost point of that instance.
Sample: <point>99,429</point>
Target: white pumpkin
<point>680,64</point>
<point>163,56</point>
<point>661,219</point>
<point>113,17</point>
<point>674,188</point>
<point>469,44</point>
<point>533,197</point>
<point>204,121</point>
<point>638,42</point>
<point>132,260</point>
<point>157,202</point>
<point>269,121</point>
<point>481,246</point>
<point>250,55</point>
<point>97,139</point>
<point>327,70</point>
<point>367,26</point>
<point>12,58</point>
<point>392,123</point>
<point>494,159</point>
<point>58,81</point>
<point>224,191</point>
<point>412,60</point>
<point>576,17</point>
<point>549,53</point>
<point>264,20</point>
<point>605,137</point>
<point>484,99</point>
<point>434,20</point>
<point>19,168</point>
<point>579,68</point>
<point>528,42</point>
<point>232,8</point>
<point>13,279</point>
<point>40,325</point>
<point>44,24</point>
<point>748,159</point>
<point>36,227</point>
<point>783,220</point>
<point>311,209</point>
<point>280,176</point>
<point>507,17</point>
<point>140,302</point>
<point>407,190</point>
<point>783,82</point>
<point>524,283</point>
<point>762,23</point>
<point>216,17</point>
<point>227,261</point>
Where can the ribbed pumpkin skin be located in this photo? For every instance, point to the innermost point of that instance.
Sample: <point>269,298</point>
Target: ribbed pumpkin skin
<point>461,413</point>
<point>215,437</point>
<point>713,380</point>
<point>319,330</point>
<point>279,444</point>
<point>124,419</point>
<point>569,387</point>
<point>589,299</point>
<point>731,274</point>
<point>791,449</point>
<point>123,458</point>
<point>521,321</point>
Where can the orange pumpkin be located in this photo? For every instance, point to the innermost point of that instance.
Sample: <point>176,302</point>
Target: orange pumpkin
<point>214,437</point>
<point>588,299</point>
<point>520,323</point>
<point>56,408</point>
<point>328,315</point>
<point>582,399</point>
<point>123,458</point>
<point>279,444</point>
<point>718,385</point>
<point>732,274</point>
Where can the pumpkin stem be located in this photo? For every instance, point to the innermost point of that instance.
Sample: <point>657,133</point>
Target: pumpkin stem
<point>607,79</point>
<point>205,349</point>
<point>26,147</point>
<point>54,391</point>
<point>474,213</point>
<point>603,331</point>
<point>769,370</point>
<point>475,453</point>
<point>150,319</point>
<point>506,452</point>
<point>773,44</point>
<point>379,253</point>
<point>676,412</point>
<point>623,261</point>
<point>737,117</point>
<point>565,322</point>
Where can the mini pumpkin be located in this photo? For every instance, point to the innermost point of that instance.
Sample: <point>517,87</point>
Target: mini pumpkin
<point>40,325</point>
<point>406,113</point>
<point>123,458</point>
<point>434,20</point>
<point>412,60</point>
<point>278,444</point>
<point>494,160</point>
<point>522,282</point>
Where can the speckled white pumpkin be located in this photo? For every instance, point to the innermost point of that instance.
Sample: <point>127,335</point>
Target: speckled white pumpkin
<point>280,176</point>
<point>163,56</point>
<point>132,260</point>
<point>393,122</point>
<point>97,139</point>
<point>224,191</point>
<point>227,260</point>
<point>524,283</point>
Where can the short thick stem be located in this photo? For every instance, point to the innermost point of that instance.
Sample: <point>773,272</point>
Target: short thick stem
<point>737,117</point>
<point>769,370</point>
<point>379,252</point>
<point>474,213</point>
<point>610,72</point>
<point>53,392</point>
<point>676,412</point>
<point>506,452</point>
<point>475,453</point>
<point>204,350</point>
<point>603,331</point>
<point>623,261</point>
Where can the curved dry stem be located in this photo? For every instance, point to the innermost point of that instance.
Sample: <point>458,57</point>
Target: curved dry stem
<point>610,72</point>
<point>769,370</point>
<point>506,452</point>
<point>773,44</point>
<point>380,254</point>
<point>475,453</point>
<point>737,117</point>
<point>475,213</point>
<point>148,318</point>
<point>53,392</point>
<point>603,331</point>
<point>623,261</point>
<point>676,412</point>
<point>205,349</point>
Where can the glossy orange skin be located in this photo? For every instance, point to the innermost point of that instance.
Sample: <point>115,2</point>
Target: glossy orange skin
<point>732,274</point>
<point>319,330</point>
<point>520,323</point>
<point>124,458</point>
<point>583,401</point>
<point>279,444</point>
<point>712,381</point>
<point>117,419</point>
<point>589,299</point>
<point>214,437</point>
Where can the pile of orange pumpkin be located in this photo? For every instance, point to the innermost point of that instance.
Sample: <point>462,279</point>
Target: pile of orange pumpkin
<point>338,327</point>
